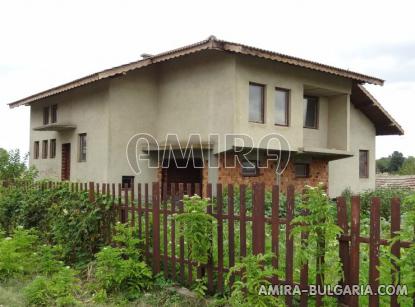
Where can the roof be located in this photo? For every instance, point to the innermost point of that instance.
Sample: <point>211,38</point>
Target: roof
<point>209,44</point>
<point>395,181</point>
<point>384,123</point>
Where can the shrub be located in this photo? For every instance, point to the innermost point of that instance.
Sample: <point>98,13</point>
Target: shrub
<point>17,254</point>
<point>119,269</point>
<point>255,272</point>
<point>196,227</point>
<point>58,289</point>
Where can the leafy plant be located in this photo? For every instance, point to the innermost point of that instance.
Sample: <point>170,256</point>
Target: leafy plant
<point>119,270</point>
<point>17,254</point>
<point>196,227</point>
<point>58,289</point>
<point>318,221</point>
<point>254,271</point>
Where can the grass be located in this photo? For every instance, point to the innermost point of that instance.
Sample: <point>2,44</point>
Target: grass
<point>11,296</point>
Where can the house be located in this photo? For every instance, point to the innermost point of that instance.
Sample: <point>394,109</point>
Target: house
<point>328,121</point>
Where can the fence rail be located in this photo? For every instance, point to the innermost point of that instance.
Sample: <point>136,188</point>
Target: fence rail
<point>150,208</point>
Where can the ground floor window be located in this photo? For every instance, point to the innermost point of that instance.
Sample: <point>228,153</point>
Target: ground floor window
<point>302,170</point>
<point>363,163</point>
<point>127,181</point>
<point>249,168</point>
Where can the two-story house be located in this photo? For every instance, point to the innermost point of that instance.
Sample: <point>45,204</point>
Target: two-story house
<point>82,130</point>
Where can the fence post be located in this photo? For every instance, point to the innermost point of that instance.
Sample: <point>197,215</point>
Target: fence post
<point>395,248</point>
<point>289,255</point>
<point>374,244</point>
<point>231,238</point>
<point>275,228</point>
<point>91,192</point>
<point>156,227</point>
<point>343,245</point>
<point>258,219</point>
<point>219,206</point>
<point>354,248</point>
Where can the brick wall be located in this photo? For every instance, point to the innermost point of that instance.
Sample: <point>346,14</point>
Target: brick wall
<point>318,173</point>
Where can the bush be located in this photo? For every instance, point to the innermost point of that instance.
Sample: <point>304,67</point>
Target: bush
<point>119,269</point>
<point>58,289</point>
<point>17,254</point>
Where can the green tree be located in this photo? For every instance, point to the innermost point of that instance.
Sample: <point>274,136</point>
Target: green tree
<point>382,165</point>
<point>408,167</point>
<point>396,161</point>
<point>13,166</point>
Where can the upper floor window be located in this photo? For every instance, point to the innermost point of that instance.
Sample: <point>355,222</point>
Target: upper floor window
<point>310,112</point>
<point>82,147</point>
<point>281,106</point>
<point>45,149</point>
<point>54,113</point>
<point>36,150</point>
<point>52,148</point>
<point>46,115</point>
<point>256,103</point>
<point>363,163</point>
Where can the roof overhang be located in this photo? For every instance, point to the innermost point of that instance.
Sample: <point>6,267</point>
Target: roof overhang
<point>325,153</point>
<point>384,123</point>
<point>55,127</point>
<point>210,44</point>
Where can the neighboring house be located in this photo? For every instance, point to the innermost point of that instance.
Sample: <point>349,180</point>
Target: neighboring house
<point>395,181</point>
<point>79,130</point>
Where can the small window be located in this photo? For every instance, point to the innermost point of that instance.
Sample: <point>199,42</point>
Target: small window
<point>249,168</point>
<point>54,115</point>
<point>46,115</point>
<point>281,107</point>
<point>310,112</point>
<point>302,170</point>
<point>363,163</point>
<point>36,150</point>
<point>256,103</point>
<point>82,147</point>
<point>53,148</point>
<point>45,149</point>
<point>127,180</point>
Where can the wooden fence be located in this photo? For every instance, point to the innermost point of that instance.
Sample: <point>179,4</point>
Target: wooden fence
<point>150,208</point>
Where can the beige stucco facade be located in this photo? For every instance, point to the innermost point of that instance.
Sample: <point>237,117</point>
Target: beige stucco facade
<point>204,93</point>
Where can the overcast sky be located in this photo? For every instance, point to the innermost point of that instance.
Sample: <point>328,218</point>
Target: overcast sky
<point>47,43</point>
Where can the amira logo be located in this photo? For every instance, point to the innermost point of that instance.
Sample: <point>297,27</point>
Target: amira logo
<point>144,150</point>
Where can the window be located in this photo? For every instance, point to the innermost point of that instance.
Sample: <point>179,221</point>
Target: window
<point>46,115</point>
<point>127,180</point>
<point>310,112</point>
<point>82,147</point>
<point>249,168</point>
<point>302,170</point>
<point>53,149</point>
<point>54,115</point>
<point>36,150</point>
<point>281,107</point>
<point>256,103</point>
<point>363,163</point>
<point>45,149</point>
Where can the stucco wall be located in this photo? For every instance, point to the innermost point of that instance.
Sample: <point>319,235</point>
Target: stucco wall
<point>344,173</point>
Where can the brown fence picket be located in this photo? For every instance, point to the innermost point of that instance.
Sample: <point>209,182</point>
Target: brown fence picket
<point>209,266</point>
<point>165,232</point>
<point>147,222</point>
<point>231,229</point>
<point>343,245</point>
<point>132,205</point>
<point>242,220</point>
<point>258,219</point>
<point>275,228</point>
<point>181,239</point>
<point>156,226</point>
<point>173,230</point>
<point>304,271</point>
<point>189,264</point>
<point>124,212</point>
<point>374,246</point>
<point>289,243</point>
<point>139,211</point>
<point>395,248</point>
<point>219,204</point>
<point>354,248</point>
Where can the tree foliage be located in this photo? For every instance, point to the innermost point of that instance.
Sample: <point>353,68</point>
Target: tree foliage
<point>13,166</point>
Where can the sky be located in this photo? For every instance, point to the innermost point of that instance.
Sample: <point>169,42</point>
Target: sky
<point>47,43</point>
